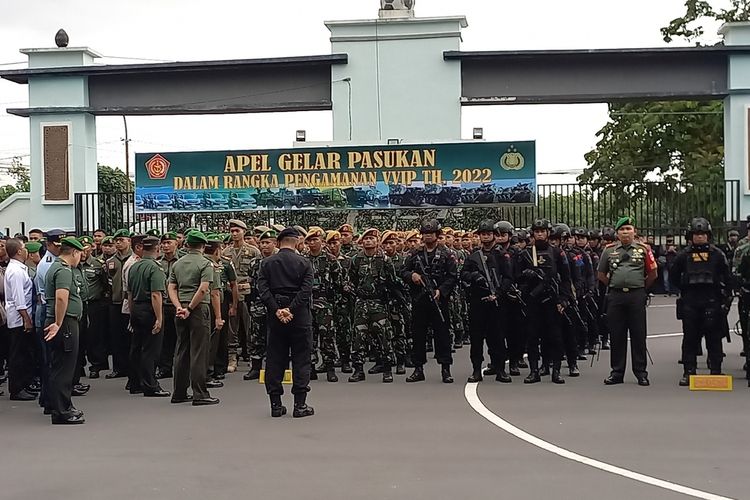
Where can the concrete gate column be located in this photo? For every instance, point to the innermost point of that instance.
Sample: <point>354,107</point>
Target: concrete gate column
<point>63,138</point>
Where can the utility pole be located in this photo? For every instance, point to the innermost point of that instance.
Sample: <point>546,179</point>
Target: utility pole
<point>127,147</point>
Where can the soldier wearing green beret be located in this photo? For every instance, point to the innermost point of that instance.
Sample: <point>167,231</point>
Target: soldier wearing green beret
<point>189,289</point>
<point>627,268</point>
<point>225,280</point>
<point>118,322</point>
<point>146,285</point>
<point>167,260</point>
<point>97,310</point>
<point>80,389</point>
<point>64,310</point>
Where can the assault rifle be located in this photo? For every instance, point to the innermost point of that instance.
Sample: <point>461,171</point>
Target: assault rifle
<point>490,278</point>
<point>429,286</point>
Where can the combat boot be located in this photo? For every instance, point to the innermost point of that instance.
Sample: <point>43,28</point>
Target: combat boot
<point>358,375</point>
<point>573,371</point>
<point>685,380</point>
<point>605,345</point>
<point>522,363</point>
<point>445,373</point>
<point>400,368</point>
<point>377,368</point>
<point>387,374</point>
<point>503,377</point>
<point>232,364</point>
<point>476,376</point>
<point>490,370</point>
<point>417,375</point>
<point>556,377</point>
<point>331,374</point>
<point>408,363</point>
<point>346,367</point>
<point>278,410</point>
<point>254,373</point>
<point>545,370</point>
<point>321,368</point>
<point>533,377</point>
<point>303,410</point>
<point>581,355</point>
<point>514,369</point>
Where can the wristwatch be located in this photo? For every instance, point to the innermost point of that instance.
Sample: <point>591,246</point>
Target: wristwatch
<point>190,309</point>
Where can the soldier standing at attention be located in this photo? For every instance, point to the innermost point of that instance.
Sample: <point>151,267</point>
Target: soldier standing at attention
<point>147,283</point>
<point>434,264</point>
<point>223,275</point>
<point>372,277</point>
<point>347,236</point>
<point>96,281</point>
<point>169,334</point>
<point>627,268</point>
<point>343,306</point>
<point>258,323</point>
<point>398,308</point>
<point>241,254</point>
<point>64,311</point>
<point>189,289</point>
<point>327,281</point>
<point>118,323</point>
<point>285,284</point>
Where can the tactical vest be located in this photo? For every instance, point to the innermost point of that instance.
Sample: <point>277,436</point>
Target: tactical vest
<point>699,269</point>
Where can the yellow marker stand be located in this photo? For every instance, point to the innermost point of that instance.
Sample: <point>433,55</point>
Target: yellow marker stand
<point>710,383</point>
<point>287,377</point>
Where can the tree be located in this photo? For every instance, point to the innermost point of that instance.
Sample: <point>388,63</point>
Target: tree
<point>679,143</point>
<point>113,180</point>
<point>115,201</point>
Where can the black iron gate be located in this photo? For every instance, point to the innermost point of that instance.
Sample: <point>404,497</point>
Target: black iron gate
<point>659,209</point>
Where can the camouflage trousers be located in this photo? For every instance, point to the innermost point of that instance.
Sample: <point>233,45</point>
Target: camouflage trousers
<point>324,335</point>
<point>256,342</point>
<point>239,326</point>
<point>343,313</point>
<point>372,327</point>
<point>456,306</point>
<point>400,317</point>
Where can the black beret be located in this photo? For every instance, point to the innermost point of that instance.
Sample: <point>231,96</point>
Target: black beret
<point>288,232</point>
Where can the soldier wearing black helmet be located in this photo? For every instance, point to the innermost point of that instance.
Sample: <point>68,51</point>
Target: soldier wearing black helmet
<point>544,277</point>
<point>591,294</point>
<point>488,275</point>
<point>701,273</point>
<point>573,328</point>
<point>510,304</point>
<point>431,274</point>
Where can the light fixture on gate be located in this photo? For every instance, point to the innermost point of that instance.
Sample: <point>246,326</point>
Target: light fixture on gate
<point>301,136</point>
<point>478,133</point>
<point>393,142</point>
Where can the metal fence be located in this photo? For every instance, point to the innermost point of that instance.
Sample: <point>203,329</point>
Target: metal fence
<point>659,209</point>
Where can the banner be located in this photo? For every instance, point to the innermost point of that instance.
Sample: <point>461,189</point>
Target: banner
<point>463,174</point>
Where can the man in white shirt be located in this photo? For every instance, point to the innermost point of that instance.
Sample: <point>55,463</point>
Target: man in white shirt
<point>19,298</point>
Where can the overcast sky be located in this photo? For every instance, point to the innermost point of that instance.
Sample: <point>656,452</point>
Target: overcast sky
<point>180,30</point>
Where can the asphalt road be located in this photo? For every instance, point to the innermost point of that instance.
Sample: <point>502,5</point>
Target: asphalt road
<point>373,440</point>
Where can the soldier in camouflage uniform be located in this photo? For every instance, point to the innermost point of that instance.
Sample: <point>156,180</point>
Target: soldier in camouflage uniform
<point>327,282</point>
<point>348,247</point>
<point>457,303</point>
<point>741,254</point>
<point>227,281</point>
<point>241,255</point>
<point>372,276</point>
<point>258,326</point>
<point>343,305</point>
<point>398,305</point>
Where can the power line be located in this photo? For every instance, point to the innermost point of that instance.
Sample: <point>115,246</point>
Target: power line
<point>645,113</point>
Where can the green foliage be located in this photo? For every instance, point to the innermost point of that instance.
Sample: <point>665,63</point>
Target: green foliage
<point>690,25</point>
<point>20,173</point>
<point>113,180</point>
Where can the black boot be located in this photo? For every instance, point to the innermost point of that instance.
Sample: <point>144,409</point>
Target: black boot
<point>605,345</point>
<point>277,409</point>
<point>313,374</point>
<point>254,373</point>
<point>321,368</point>
<point>358,375</point>
<point>490,370</point>
<point>514,369</point>
<point>503,377</point>
<point>581,354</point>
<point>685,380</point>
<point>346,367</point>
<point>533,377</point>
<point>387,374</point>
<point>545,370</point>
<point>303,410</point>
<point>400,368</point>
<point>445,372</point>
<point>331,374</point>
<point>573,371</point>
<point>476,376</point>
<point>378,368</point>
<point>417,375</point>
<point>556,377</point>
<point>522,363</point>
<point>408,363</point>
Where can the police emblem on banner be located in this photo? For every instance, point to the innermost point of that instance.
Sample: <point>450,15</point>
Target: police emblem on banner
<point>157,167</point>
<point>512,159</point>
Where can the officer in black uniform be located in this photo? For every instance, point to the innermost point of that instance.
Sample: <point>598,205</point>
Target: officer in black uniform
<point>427,267</point>
<point>487,272</point>
<point>701,273</point>
<point>285,282</point>
<point>544,277</point>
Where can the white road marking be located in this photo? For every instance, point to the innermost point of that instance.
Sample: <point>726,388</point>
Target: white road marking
<point>653,306</point>
<point>663,335</point>
<point>470,393</point>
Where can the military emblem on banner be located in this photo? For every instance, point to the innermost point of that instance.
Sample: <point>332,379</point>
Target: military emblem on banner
<point>512,159</point>
<point>157,167</point>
